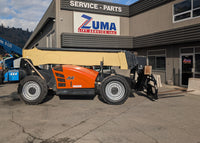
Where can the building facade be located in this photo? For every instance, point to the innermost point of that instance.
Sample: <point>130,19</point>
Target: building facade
<point>165,31</point>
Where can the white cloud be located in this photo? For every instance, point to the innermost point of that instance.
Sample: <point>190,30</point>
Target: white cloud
<point>22,14</point>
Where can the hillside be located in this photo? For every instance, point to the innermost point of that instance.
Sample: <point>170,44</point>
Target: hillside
<point>16,36</point>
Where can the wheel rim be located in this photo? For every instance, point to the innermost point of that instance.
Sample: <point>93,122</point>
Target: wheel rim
<point>31,90</point>
<point>115,90</point>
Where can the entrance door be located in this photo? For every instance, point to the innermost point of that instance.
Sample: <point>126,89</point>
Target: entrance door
<point>187,68</point>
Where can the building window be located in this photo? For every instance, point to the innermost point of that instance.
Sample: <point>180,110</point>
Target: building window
<point>157,59</point>
<point>51,40</point>
<point>196,8</point>
<point>186,9</point>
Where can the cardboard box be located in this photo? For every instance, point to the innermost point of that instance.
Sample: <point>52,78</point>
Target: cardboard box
<point>147,70</point>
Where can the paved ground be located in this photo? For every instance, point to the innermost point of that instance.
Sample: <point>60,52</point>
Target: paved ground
<point>175,118</point>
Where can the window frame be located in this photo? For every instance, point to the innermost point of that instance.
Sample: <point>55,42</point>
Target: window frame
<point>188,11</point>
<point>156,55</point>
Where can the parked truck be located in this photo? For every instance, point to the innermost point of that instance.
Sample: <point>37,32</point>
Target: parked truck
<point>68,75</point>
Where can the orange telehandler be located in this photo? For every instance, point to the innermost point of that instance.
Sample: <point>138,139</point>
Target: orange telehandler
<point>68,76</point>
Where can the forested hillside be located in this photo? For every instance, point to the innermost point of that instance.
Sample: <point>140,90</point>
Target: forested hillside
<point>17,36</point>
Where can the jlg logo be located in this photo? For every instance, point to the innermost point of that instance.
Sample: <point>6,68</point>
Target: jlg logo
<point>70,78</point>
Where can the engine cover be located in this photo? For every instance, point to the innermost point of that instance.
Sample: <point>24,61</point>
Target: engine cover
<point>74,77</point>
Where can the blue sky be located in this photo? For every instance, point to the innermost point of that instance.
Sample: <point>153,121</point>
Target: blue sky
<point>126,2</point>
<point>26,14</point>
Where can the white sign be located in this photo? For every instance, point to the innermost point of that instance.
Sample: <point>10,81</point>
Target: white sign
<point>95,6</point>
<point>88,23</point>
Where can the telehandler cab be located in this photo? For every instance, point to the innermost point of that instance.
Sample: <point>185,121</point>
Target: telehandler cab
<point>70,77</point>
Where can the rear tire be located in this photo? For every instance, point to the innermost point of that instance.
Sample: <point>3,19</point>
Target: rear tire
<point>115,90</point>
<point>32,90</point>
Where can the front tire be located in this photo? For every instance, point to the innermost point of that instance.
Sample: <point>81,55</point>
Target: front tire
<point>32,90</point>
<point>115,90</point>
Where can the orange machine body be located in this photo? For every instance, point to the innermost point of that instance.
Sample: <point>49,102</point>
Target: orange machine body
<point>74,77</point>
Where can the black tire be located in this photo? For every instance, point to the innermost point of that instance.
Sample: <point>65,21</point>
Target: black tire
<point>32,90</point>
<point>115,90</point>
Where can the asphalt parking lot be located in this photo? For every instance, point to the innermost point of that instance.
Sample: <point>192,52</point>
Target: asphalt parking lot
<point>174,118</point>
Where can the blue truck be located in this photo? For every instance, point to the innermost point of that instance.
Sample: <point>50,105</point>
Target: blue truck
<point>9,72</point>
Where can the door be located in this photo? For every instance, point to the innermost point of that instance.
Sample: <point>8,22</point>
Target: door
<point>187,68</point>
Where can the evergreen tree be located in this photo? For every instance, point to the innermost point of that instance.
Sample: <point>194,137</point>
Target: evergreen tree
<point>17,36</point>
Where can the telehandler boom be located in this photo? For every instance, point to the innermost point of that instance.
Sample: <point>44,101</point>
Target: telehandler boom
<point>81,58</point>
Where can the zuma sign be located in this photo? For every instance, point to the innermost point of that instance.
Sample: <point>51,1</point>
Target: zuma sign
<point>88,23</point>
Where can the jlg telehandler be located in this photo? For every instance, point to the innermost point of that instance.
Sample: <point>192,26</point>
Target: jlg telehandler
<point>70,77</point>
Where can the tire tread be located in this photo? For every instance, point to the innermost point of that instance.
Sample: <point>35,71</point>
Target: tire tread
<point>115,78</point>
<point>42,84</point>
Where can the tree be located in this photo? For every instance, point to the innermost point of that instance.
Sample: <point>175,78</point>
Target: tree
<point>17,36</point>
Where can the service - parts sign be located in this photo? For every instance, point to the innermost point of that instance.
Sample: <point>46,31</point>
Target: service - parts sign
<point>88,23</point>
